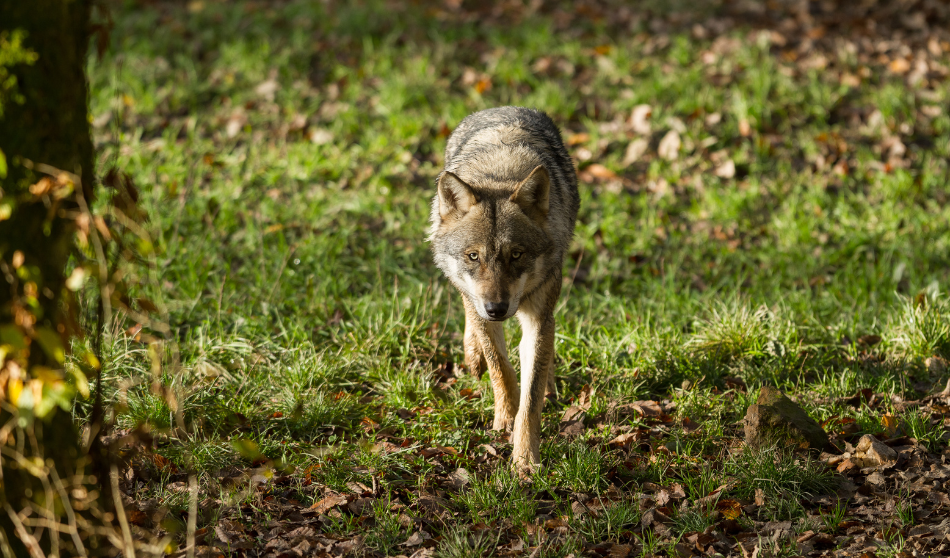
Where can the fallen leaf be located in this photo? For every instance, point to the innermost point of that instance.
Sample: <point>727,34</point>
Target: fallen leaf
<point>635,150</point>
<point>415,539</point>
<point>574,412</point>
<point>459,478</point>
<point>328,503</point>
<point>730,509</point>
<point>137,517</point>
<point>267,89</point>
<point>669,147</point>
<point>939,498</point>
<point>600,172</point>
<point>689,425</point>
<point>640,119</point>
<point>899,66</point>
<point>891,425</point>
<point>745,129</point>
<point>727,169</point>
<point>682,550</point>
<point>361,506</point>
<point>646,408</point>
<point>869,340</point>
<point>623,439</point>
<point>577,139</point>
<point>483,85</point>
<point>320,136</point>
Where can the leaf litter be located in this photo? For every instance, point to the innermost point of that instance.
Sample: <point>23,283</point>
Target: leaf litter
<point>891,483</point>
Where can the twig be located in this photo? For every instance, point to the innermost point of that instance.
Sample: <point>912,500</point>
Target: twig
<point>70,514</point>
<point>129,548</point>
<point>192,514</point>
<point>32,546</point>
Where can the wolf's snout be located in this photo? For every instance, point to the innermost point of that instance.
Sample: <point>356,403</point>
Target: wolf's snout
<point>496,310</point>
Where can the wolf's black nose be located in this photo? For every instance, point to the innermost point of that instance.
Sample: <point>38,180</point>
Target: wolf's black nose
<point>496,310</point>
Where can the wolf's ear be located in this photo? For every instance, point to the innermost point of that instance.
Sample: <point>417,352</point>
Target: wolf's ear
<point>532,194</point>
<point>454,195</point>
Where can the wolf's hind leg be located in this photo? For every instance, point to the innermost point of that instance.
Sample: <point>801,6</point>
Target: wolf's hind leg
<point>491,339</point>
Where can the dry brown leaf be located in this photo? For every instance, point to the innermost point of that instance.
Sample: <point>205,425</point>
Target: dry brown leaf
<point>483,85</point>
<point>891,424</point>
<point>640,119</point>
<point>267,89</point>
<point>899,66</point>
<point>647,408</point>
<point>600,172</point>
<point>415,539</point>
<point>689,425</point>
<point>727,169</point>
<point>577,139</point>
<point>669,147</point>
<point>320,136</point>
<point>730,509</point>
<point>635,150</point>
<point>623,439</point>
<point>328,503</point>
<point>745,129</point>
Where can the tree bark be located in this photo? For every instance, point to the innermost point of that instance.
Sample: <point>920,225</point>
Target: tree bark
<point>49,127</point>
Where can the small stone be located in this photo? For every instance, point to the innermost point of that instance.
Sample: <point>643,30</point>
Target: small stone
<point>936,365</point>
<point>871,452</point>
<point>776,418</point>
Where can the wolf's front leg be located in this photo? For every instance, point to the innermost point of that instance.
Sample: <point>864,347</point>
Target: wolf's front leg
<point>474,355</point>
<point>537,365</point>
<point>490,337</point>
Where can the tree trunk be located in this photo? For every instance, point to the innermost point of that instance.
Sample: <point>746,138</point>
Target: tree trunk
<point>44,126</point>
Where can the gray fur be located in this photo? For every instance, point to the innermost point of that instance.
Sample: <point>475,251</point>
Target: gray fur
<point>502,220</point>
<point>492,151</point>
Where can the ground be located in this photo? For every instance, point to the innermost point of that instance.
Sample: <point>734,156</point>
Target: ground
<point>764,203</point>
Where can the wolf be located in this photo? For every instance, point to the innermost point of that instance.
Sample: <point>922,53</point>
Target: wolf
<point>502,219</point>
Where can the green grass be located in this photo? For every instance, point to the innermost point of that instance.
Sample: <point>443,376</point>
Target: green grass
<point>500,495</point>
<point>459,544</point>
<point>782,477</point>
<point>610,523</point>
<point>285,154</point>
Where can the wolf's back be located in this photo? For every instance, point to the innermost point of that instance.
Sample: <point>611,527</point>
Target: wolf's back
<point>495,132</point>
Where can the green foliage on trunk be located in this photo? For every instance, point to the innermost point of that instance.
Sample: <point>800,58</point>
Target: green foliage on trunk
<point>46,161</point>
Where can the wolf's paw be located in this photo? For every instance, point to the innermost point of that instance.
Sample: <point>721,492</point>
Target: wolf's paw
<point>505,423</point>
<point>525,465</point>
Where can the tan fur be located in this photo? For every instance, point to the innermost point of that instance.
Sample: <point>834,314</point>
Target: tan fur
<point>502,219</point>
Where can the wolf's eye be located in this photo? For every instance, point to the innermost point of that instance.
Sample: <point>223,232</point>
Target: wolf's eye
<point>515,255</point>
<point>473,256</point>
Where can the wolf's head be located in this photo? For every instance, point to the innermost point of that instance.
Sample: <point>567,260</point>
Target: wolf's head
<point>492,242</point>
